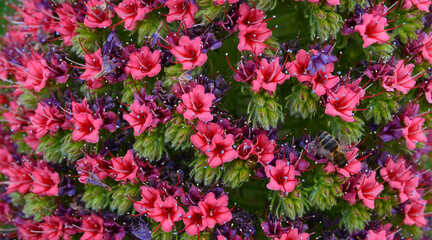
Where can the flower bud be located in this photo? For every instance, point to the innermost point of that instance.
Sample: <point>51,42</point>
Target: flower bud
<point>96,197</point>
<point>86,37</point>
<point>70,149</point>
<point>51,148</point>
<point>380,108</point>
<point>151,145</point>
<point>201,172</point>
<point>178,134</point>
<point>28,100</point>
<point>302,102</point>
<point>38,207</point>
<point>147,27</point>
<point>325,22</point>
<point>354,217</point>
<point>347,132</point>
<point>236,173</point>
<point>265,110</point>
<point>120,201</point>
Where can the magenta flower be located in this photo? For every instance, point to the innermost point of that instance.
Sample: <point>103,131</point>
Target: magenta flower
<point>245,149</point>
<point>194,221</point>
<point>250,17</point>
<point>215,210</point>
<point>52,227</point>
<point>131,11</point>
<point>140,117</point>
<point>46,119</point>
<point>414,213</point>
<point>81,107</point>
<point>20,179</point>
<point>206,131</point>
<point>98,14</point>
<point>36,72</point>
<point>252,39</point>
<point>401,80</point>
<point>413,132</point>
<point>368,189</point>
<point>221,150</point>
<point>29,230</point>
<point>343,103</point>
<point>92,165</point>
<point>125,168</point>
<point>149,197</point>
<point>68,22</point>
<point>372,29</point>
<point>86,128</point>
<point>45,182</point>
<point>282,177</point>
<point>189,52</point>
<point>144,63</point>
<point>269,75</point>
<point>222,2</point>
<point>293,234</point>
<point>93,67</point>
<point>197,104</point>
<point>167,213</point>
<point>182,10</point>
<point>92,226</point>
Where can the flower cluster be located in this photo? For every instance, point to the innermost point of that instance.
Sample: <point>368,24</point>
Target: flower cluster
<point>216,119</point>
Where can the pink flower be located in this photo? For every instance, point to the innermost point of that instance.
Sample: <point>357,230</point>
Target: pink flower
<point>189,52</point>
<point>45,182</point>
<point>206,131</point>
<point>298,68</point>
<point>222,2</point>
<point>93,228</point>
<point>19,178</point>
<point>252,39</point>
<point>93,67</point>
<point>426,48</point>
<point>428,90</point>
<point>293,234</point>
<point>245,149</point>
<point>264,149</point>
<point>282,177</point>
<point>167,213</point>
<point>68,22</point>
<point>414,213</point>
<point>422,5</point>
<point>131,11</point>
<point>395,173</point>
<point>381,235</point>
<point>343,103</point>
<point>98,15</point>
<point>413,132</point>
<point>140,117</point>
<point>144,64</point>
<point>36,75</point>
<point>250,17</point>
<point>125,168</point>
<point>46,119</point>
<point>197,104</point>
<point>194,221</point>
<point>52,228</point>
<point>221,150</point>
<point>29,230</point>
<point>353,166</point>
<point>408,190</point>
<point>92,165</point>
<point>372,29</point>
<point>149,197</point>
<point>182,10</point>
<point>401,79</point>
<point>215,210</point>
<point>269,75</point>
<point>368,189</point>
<point>323,80</point>
<point>6,160</point>
<point>86,128</point>
<point>81,107</point>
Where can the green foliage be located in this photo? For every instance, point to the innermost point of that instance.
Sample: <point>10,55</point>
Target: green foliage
<point>70,149</point>
<point>28,100</point>
<point>381,51</point>
<point>178,133</point>
<point>148,26</point>
<point>354,217</point>
<point>346,132</point>
<point>409,23</point>
<point>302,102</point>
<point>96,197</point>
<point>151,144</point>
<point>236,173</point>
<point>325,22</point>
<point>202,173</point>
<point>38,207</point>
<point>324,192</point>
<point>263,109</point>
<point>293,204</point>
<point>349,5</point>
<point>16,199</point>
<point>208,10</point>
<point>381,108</point>
<point>86,37</point>
<point>265,5</point>
<point>50,146</point>
<point>120,201</point>
<point>384,207</point>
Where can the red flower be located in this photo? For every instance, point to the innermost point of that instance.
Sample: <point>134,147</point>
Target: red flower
<point>323,80</point>
<point>144,64</point>
<point>264,149</point>
<point>36,75</point>
<point>368,189</point>
<point>45,182</point>
<point>182,10</point>
<point>6,160</point>
<point>250,17</point>
<point>395,173</point>
<point>252,39</point>
<point>140,117</point>
<point>221,150</point>
<point>343,103</point>
<point>46,119</point>
<point>245,149</point>
<point>413,132</point>
<point>206,131</point>
<point>98,15</point>
<point>269,75</point>
<point>68,22</point>
<point>93,67</point>
<point>189,52</point>
<point>222,2</point>
<point>408,190</point>
<point>167,213</point>
<point>92,227</point>
<point>29,230</point>
<point>298,68</point>
<point>282,177</point>
<point>90,165</point>
<point>131,11</point>
<point>194,221</point>
<point>401,79</point>
<point>381,235</point>
<point>215,210</point>
<point>197,104</point>
<point>125,168</point>
<point>414,213</point>
<point>372,29</point>
<point>422,5</point>
<point>19,178</point>
<point>293,234</point>
<point>81,107</point>
<point>52,227</point>
<point>426,48</point>
<point>86,128</point>
<point>149,197</point>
